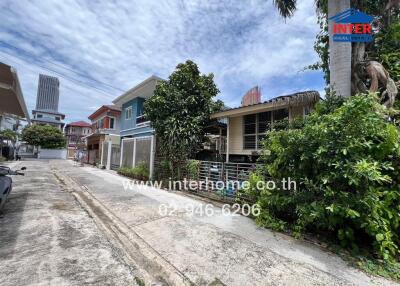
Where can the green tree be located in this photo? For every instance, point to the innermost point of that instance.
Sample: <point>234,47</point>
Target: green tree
<point>7,135</point>
<point>180,109</point>
<point>346,163</point>
<point>46,136</point>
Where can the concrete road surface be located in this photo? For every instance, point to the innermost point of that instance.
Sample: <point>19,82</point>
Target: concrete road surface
<point>48,238</point>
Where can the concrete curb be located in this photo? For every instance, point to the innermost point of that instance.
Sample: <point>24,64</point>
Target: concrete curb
<point>154,269</point>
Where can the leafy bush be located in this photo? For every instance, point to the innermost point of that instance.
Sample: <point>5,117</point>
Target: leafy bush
<point>2,159</point>
<point>250,193</point>
<point>347,167</point>
<point>192,169</point>
<point>140,172</point>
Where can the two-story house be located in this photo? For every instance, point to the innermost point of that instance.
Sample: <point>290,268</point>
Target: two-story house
<point>105,123</point>
<point>137,136</point>
<point>242,129</point>
<point>75,132</point>
<point>53,118</point>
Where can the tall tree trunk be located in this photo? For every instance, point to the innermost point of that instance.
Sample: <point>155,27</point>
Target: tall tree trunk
<point>339,54</point>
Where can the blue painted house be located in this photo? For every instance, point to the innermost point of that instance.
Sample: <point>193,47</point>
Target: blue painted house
<point>137,136</point>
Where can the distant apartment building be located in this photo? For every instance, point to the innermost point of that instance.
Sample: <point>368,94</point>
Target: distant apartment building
<point>47,101</point>
<point>76,132</point>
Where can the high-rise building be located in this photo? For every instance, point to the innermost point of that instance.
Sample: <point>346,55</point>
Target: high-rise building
<point>47,100</point>
<point>48,93</point>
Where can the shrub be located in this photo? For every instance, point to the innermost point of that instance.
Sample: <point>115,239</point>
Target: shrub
<point>347,167</point>
<point>2,159</point>
<point>192,169</point>
<point>140,172</point>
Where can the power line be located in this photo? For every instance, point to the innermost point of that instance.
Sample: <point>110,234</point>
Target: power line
<point>64,86</point>
<point>61,66</point>
<point>76,81</point>
<point>58,72</point>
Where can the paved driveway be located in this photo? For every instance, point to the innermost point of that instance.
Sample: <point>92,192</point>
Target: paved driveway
<point>226,248</point>
<point>46,238</point>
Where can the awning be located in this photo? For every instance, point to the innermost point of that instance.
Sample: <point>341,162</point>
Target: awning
<point>11,97</point>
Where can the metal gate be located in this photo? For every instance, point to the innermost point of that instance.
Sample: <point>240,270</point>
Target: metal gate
<point>104,153</point>
<point>115,156</point>
<point>127,152</point>
<point>143,152</point>
<point>136,151</point>
<point>234,173</point>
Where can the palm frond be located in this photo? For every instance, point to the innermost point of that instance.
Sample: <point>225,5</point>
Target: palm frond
<point>286,7</point>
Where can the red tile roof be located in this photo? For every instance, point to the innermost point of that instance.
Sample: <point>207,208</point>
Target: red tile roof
<point>79,124</point>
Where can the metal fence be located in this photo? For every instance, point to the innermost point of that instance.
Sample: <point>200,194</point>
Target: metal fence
<point>231,174</point>
<point>127,152</point>
<point>115,156</point>
<point>136,151</point>
<point>219,180</point>
<point>143,151</point>
<point>104,155</point>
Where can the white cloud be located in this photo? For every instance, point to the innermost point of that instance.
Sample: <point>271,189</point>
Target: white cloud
<point>243,43</point>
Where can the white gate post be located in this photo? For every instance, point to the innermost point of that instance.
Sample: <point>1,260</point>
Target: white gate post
<point>151,157</point>
<point>121,153</point>
<point>227,140</point>
<point>102,153</point>
<point>109,155</point>
<point>134,153</point>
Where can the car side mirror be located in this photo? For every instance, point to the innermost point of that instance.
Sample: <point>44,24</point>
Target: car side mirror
<point>23,168</point>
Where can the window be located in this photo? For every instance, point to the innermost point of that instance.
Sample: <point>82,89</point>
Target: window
<point>58,118</point>
<point>249,130</point>
<point>112,122</point>
<point>281,114</point>
<point>255,126</point>
<point>39,116</point>
<point>264,121</point>
<point>128,113</point>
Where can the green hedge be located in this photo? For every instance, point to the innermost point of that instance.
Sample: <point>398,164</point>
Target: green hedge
<point>347,166</point>
<point>140,172</point>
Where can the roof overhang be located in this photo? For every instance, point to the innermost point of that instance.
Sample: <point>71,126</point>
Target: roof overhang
<point>145,89</point>
<point>302,98</point>
<point>11,97</point>
<point>103,109</point>
<point>34,111</point>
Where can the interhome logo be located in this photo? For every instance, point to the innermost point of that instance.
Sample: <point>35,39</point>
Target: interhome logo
<point>352,26</point>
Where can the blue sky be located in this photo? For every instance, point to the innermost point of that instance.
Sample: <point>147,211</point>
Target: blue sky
<point>100,48</point>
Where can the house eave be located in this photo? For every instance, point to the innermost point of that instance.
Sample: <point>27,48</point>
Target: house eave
<point>11,93</point>
<point>298,99</point>
<point>137,91</point>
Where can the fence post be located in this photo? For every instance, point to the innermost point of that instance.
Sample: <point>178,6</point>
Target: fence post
<point>102,153</point>
<point>109,155</point>
<point>134,153</point>
<point>151,157</point>
<point>121,153</point>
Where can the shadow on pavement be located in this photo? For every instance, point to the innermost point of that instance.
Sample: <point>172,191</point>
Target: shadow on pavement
<point>10,221</point>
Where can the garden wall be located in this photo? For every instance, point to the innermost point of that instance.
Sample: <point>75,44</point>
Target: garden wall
<point>52,153</point>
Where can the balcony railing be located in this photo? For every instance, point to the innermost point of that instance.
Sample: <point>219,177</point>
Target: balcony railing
<point>142,121</point>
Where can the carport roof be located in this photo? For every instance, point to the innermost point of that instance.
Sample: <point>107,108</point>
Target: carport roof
<point>11,97</point>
